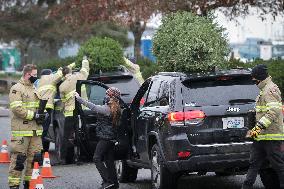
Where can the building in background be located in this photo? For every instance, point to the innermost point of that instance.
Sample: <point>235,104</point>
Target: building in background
<point>10,59</point>
<point>257,48</point>
<point>265,50</point>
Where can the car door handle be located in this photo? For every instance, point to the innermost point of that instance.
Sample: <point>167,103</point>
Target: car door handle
<point>91,115</point>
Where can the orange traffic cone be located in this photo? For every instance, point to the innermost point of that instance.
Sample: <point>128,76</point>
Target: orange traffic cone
<point>39,184</point>
<point>4,155</point>
<point>35,176</point>
<point>46,171</point>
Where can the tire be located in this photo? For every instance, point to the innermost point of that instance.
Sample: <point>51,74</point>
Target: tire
<point>125,173</point>
<point>161,177</point>
<point>269,178</point>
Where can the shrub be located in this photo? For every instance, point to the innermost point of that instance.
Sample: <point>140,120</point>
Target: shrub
<point>104,54</point>
<point>189,43</point>
<point>147,67</point>
<point>275,69</point>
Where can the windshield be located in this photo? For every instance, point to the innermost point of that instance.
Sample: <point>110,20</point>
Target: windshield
<point>219,92</point>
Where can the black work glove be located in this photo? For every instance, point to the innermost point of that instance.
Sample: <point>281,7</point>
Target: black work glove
<point>39,118</point>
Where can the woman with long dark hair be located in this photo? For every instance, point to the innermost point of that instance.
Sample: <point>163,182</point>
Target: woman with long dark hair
<point>108,120</point>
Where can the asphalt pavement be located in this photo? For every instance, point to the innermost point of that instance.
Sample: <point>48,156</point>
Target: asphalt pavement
<point>86,176</point>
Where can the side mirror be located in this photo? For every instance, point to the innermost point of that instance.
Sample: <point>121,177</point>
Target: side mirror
<point>164,101</point>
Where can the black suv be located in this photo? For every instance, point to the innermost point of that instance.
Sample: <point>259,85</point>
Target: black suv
<point>93,90</point>
<point>177,123</point>
<point>191,123</point>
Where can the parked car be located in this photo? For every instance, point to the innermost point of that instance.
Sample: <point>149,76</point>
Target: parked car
<point>93,90</point>
<point>191,123</point>
<point>177,123</point>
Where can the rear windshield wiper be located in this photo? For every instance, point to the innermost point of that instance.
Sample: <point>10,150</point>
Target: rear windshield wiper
<point>125,94</point>
<point>241,101</point>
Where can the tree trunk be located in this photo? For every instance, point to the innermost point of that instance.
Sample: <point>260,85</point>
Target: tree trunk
<point>53,50</point>
<point>24,56</point>
<point>137,29</point>
<point>24,47</point>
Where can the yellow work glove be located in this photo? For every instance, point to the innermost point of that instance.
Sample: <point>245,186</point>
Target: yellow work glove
<point>255,132</point>
<point>71,65</point>
<point>85,61</point>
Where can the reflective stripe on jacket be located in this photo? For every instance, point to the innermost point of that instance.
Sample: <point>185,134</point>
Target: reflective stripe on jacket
<point>23,105</point>
<point>47,87</point>
<point>269,111</point>
<point>15,181</point>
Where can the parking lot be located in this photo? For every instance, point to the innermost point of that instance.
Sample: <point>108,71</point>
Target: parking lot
<point>86,176</point>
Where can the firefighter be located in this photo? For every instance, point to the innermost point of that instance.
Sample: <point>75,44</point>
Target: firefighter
<point>26,132</point>
<point>268,132</point>
<point>67,90</point>
<point>135,70</point>
<point>46,90</point>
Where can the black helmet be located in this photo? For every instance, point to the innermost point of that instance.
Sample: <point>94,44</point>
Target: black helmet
<point>45,72</point>
<point>260,72</point>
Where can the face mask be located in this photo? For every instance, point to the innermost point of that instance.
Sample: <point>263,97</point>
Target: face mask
<point>33,79</point>
<point>106,99</point>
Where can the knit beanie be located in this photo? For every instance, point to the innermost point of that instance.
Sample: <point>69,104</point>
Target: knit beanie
<point>259,72</point>
<point>113,92</point>
<point>45,72</point>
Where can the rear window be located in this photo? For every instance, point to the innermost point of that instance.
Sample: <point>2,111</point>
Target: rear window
<point>128,87</point>
<point>219,91</point>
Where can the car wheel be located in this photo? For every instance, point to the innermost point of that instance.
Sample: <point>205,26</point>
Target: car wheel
<point>125,173</point>
<point>269,178</point>
<point>161,177</point>
<point>69,159</point>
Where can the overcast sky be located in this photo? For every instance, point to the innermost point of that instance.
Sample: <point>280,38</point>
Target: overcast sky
<point>252,26</point>
<point>244,27</point>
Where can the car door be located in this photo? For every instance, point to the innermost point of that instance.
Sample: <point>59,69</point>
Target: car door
<point>143,118</point>
<point>94,92</point>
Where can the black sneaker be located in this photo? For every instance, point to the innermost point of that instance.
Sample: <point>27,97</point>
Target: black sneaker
<point>26,185</point>
<point>14,187</point>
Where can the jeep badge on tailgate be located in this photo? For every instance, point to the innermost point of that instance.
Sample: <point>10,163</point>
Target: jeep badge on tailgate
<point>230,109</point>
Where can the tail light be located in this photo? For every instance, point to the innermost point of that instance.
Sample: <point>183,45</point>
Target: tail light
<point>142,101</point>
<point>186,118</point>
<point>283,109</point>
<point>183,154</point>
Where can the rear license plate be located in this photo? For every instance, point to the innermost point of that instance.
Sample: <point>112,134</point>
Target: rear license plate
<point>233,122</point>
